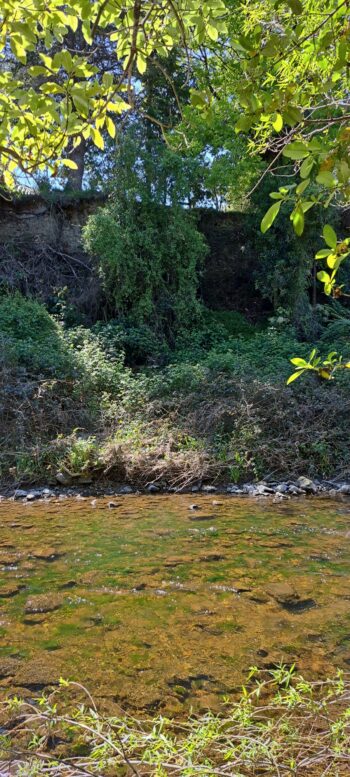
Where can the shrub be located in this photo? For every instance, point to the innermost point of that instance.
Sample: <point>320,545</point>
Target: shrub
<point>30,337</point>
<point>140,344</point>
<point>148,256</point>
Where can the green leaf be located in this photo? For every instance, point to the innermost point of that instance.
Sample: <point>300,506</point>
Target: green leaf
<point>326,179</point>
<point>302,186</point>
<point>81,103</point>
<point>294,376</point>
<point>292,115</point>
<point>298,220</point>
<point>69,163</point>
<point>296,150</point>
<point>277,122</point>
<point>212,32</point>
<point>110,126</point>
<point>306,167</point>
<point>276,195</point>
<point>244,123</point>
<point>323,276</point>
<point>299,362</point>
<point>141,63</point>
<point>329,236</point>
<point>322,254</point>
<point>306,205</point>
<point>296,6</point>
<point>334,261</point>
<point>97,138</point>
<point>270,216</point>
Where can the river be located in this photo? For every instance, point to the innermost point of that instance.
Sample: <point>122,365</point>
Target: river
<point>156,606</point>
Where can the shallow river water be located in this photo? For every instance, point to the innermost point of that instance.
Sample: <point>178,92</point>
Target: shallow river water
<point>155,606</point>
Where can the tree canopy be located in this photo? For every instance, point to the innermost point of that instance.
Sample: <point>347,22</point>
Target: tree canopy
<point>67,97</point>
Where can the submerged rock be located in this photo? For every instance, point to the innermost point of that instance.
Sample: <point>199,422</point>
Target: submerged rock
<point>42,603</point>
<point>38,673</point>
<point>282,488</point>
<point>20,494</point>
<point>153,488</point>
<point>295,490</point>
<point>288,598</point>
<point>8,667</point>
<point>11,589</point>
<point>282,592</point>
<point>33,495</point>
<point>46,554</point>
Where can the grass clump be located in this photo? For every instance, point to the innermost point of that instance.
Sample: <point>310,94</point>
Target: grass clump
<point>281,724</point>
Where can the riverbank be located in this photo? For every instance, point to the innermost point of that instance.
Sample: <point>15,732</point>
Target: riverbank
<point>287,489</point>
<point>215,411</point>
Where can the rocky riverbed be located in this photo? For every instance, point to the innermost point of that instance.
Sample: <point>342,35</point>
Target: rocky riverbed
<point>278,489</point>
<point>165,600</point>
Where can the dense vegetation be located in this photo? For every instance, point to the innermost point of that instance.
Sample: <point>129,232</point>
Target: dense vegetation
<point>223,105</point>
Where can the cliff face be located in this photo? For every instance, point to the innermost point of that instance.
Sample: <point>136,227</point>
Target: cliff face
<point>38,221</point>
<point>41,253</point>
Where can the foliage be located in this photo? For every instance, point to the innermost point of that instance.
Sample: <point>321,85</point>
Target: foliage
<point>148,254</point>
<point>285,273</point>
<point>295,59</point>
<point>325,368</point>
<point>67,97</point>
<point>20,318</point>
<point>140,344</point>
<point>213,409</point>
<point>280,723</point>
<point>30,337</point>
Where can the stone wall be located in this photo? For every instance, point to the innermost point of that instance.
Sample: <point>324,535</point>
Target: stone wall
<point>41,251</point>
<point>57,222</point>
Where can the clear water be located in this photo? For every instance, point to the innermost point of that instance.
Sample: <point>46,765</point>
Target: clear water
<point>161,607</point>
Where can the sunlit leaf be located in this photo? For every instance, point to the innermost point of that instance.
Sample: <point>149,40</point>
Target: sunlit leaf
<point>270,216</point>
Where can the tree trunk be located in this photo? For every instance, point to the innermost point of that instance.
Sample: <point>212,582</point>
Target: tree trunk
<point>75,177</point>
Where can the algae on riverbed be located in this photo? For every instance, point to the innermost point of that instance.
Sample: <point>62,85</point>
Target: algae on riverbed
<point>146,602</point>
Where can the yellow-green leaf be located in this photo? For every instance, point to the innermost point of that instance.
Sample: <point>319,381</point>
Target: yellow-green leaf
<point>294,376</point>
<point>270,216</point>
<point>97,138</point>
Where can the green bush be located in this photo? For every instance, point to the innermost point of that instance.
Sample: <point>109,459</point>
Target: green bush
<point>148,258</point>
<point>214,330</point>
<point>30,337</point>
<point>139,343</point>
<point>264,356</point>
